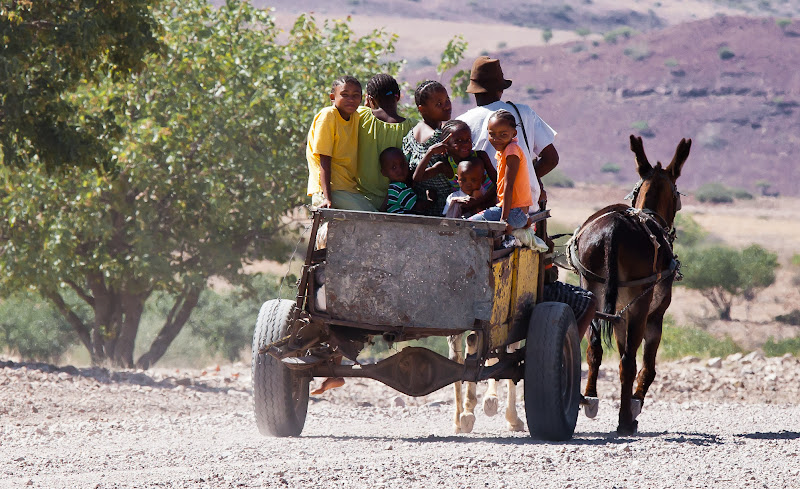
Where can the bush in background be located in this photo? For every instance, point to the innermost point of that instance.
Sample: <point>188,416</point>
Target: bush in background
<point>678,342</point>
<point>715,193</point>
<point>31,328</point>
<point>774,348</point>
<point>557,178</point>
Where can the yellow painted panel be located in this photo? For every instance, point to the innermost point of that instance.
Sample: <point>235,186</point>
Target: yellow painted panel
<point>526,279</point>
<point>503,272</point>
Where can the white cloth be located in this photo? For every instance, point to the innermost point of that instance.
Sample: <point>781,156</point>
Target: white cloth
<point>539,134</point>
<point>453,209</point>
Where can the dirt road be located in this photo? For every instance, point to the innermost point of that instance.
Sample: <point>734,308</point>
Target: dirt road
<point>735,424</point>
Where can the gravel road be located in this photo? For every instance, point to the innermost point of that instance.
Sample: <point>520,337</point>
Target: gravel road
<point>726,423</point>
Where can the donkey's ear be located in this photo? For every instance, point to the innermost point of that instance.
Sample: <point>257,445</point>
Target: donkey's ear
<point>642,165</point>
<point>681,153</point>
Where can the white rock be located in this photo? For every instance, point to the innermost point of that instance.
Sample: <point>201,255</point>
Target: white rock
<point>734,357</point>
<point>715,362</point>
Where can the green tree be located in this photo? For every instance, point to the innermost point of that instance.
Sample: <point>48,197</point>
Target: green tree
<point>721,273</point>
<point>211,161</point>
<point>49,49</point>
<point>547,34</point>
<point>452,55</point>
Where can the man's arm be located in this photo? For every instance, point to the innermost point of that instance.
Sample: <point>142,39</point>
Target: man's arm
<point>548,160</point>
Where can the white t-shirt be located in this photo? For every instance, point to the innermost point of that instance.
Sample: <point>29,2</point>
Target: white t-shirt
<point>538,132</point>
<point>453,209</point>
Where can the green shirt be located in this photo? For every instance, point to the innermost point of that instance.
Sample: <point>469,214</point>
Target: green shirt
<point>374,136</point>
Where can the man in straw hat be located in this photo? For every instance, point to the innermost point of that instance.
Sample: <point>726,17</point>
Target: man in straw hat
<point>536,138</point>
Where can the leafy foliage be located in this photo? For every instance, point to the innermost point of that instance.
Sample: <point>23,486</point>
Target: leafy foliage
<point>678,342</point>
<point>774,348</point>
<point>547,35</point>
<point>689,232</point>
<point>715,193</point>
<point>610,167</point>
<point>721,273</point>
<point>209,165</point>
<point>792,317</point>
<point>453,54</point>
<point>33,329</point>
<point>48,50</point>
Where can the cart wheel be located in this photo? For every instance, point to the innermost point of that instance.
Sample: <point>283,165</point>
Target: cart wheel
<point>552,372</point>
<point>280,394</point>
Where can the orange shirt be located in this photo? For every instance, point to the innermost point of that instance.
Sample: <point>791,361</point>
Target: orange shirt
<point>521,193</point>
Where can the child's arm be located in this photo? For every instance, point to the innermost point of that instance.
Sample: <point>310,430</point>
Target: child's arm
<point>325,180</point>
<point>422,172</point>
<point>487,166</point>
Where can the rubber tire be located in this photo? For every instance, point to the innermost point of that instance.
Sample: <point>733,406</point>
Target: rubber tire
<point>552,372</point>
<point>280,395</point>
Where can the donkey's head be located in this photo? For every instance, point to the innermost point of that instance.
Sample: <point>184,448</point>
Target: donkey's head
<point>657,191</point>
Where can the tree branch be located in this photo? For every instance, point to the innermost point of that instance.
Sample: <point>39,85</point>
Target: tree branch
<point>176,319</point>
<point>78,290</point>
<point>84,333</point>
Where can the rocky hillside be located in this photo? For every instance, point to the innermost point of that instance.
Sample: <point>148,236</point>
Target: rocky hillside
<point>729,83</point>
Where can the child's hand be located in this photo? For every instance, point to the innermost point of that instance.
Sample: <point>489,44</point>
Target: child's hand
<point>431,195</point>
<point>440,148</point>
<point>325,204</point>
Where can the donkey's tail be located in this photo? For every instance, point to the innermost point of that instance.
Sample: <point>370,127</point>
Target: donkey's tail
<point>612,285</point>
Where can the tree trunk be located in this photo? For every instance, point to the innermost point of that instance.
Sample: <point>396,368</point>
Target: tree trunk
<point>177,317</point>
<point>132,307</point>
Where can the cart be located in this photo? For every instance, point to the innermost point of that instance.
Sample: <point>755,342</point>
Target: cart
<point>404,277</point>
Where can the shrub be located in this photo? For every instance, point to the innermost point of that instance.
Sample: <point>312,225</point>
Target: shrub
<point>741,194</point>
<point>557,178</point>
<point>690,233</point>
<point>637,53</point>
<point>671,62</point>
<point>796,259</point>
<point>643,128</point>
<point>612,36</point>
<point>783,23</point>
<point>726,53</point>
<point>721,273</point>
<point>774,348</point>
<point>610,167</point>
<point>502,45</point>
<point>716,193</point>
<point>33,329</point>
<point>577,48</point>
<point>583,31</point>
<point>547,34</point>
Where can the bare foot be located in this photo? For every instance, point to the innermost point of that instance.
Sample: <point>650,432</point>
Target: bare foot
<point>328,384</point>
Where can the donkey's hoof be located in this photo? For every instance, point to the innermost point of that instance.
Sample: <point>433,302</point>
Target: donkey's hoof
<point>490,405</point>
<point>636,408</point>
<point>590,406</point>
<point>628,430</point>
<point>467,422</point>
<point>517,425</point>
<point>456,429</point>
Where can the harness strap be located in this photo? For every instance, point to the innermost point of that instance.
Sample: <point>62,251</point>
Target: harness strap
<point>642,217</point>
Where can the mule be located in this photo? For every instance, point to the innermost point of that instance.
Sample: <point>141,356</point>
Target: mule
<point>624,256</point>
<point>466,400</point>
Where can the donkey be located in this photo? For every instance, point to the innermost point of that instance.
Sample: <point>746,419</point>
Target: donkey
<point>465,402</point>
<point>624,256</point>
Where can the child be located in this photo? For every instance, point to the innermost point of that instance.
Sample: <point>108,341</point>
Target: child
<point>434,106</point>
<point>513,187</point>
<point>380,127</point>
<point>332,150</point>
<point>471,176</point>
<point>400,198</point>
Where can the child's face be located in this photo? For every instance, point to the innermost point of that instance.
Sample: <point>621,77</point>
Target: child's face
<point>437,108</point>
<point>500,133</point>
<point>470,180</point>
<point>394,167</point>
<point>346,98</point>
<point>459,145</point>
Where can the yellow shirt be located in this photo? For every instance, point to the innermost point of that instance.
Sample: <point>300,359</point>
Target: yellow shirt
<point>333,136</point>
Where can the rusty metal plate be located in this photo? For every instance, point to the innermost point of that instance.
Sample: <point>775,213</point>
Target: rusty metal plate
<point>409,272</point>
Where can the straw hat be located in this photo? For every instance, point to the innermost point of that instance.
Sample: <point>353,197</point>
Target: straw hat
<point>486,75</point>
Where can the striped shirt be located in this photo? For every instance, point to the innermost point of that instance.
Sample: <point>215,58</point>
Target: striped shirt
<point>401,198</point>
